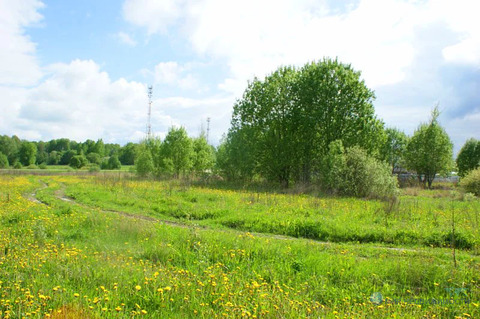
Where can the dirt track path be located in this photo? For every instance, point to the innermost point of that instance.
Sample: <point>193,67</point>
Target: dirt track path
<point>60,195</point>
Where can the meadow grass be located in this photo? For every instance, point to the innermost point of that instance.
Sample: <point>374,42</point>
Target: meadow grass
<point>62,259</point>
<point>412,220</point>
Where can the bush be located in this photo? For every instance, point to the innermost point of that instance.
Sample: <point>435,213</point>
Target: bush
<point>42,166</point>
<point>3,160</point>
<point>353,172</point>
<point>93,167</point>
<point>367,177</point>
<point>17,165</point>
<point>104,164</point>
<point>94,158</point>
<point>32,166</point>
<point>471,182</point>
<point>114,162</point>
<point>144,163</point>
<point>78,161</point>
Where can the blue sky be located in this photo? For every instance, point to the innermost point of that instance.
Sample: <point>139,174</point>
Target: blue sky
<point>80,69</point>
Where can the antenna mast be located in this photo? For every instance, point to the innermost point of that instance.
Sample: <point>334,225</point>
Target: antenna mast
<point>208,128</point>
<point>149,123</point>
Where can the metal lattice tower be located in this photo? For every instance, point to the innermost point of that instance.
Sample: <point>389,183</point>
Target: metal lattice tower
<point>149,123</point>
<point>208,128</point>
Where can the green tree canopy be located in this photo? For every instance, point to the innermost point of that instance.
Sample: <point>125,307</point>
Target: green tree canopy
<point>3,160</point>
<point>27,153</point>
<point>177,151</point>
<point>78,161</point>
<point>144,163</point>
<point>114,162</point>
<point>203,155</point>
<point>469,157</point>
<point>394,148</point>
<point>285,123</point>
<point>430,150</point>
<point>127,154</point>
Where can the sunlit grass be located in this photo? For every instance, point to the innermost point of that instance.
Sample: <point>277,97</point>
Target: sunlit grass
<point>65,258</point>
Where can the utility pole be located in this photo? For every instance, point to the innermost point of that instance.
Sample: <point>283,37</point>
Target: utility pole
<point>149,122</point>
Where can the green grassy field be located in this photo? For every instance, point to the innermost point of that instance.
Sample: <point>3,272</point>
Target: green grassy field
<point>96,247</point>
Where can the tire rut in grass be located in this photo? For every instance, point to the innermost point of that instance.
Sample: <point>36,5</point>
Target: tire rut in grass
<point>60,194</point>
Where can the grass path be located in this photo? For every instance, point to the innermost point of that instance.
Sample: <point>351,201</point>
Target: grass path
<point>60,195</point>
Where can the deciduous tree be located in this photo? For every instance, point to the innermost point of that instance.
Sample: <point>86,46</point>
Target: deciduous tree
<point>430,150</point>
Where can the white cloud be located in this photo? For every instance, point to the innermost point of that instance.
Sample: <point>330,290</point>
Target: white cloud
<point>79,101</point>
<point>126,39</point>
<point>255,37</point>
<point>156,16</point>
<point>18,64</point>
<point>174,74</point>
<point>192,113</point>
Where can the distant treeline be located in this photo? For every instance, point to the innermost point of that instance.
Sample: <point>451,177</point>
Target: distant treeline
<point>310,125</point>
<point>63,151</point>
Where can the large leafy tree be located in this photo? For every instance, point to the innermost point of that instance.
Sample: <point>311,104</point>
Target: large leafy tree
<point>430,150</point>
<point>177,151</point>
<point>203,155</point>
<point>469,157</point>
<point>127,154</point>
<point>3,160</point>
<point>287,121</point>
<point>10,147</point>
<point>27,153</point>
<point>394,148</point>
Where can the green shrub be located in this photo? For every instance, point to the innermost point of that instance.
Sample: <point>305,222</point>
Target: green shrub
<point>94,158</point>
<point>78,161</point>
<point>114,162</point>
<point>32,166</point>
<point>367,177</point>
<point>144,163</point>
<point>353,172</point>
<point>42,166</point>
<point>93,167</point>
<point>17,165</point>
<point>3,160</point>
<point>471,182</point>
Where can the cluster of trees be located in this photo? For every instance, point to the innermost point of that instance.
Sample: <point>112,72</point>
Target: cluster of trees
<point>17,153</point>
<point>177,155</point>
<point>287,127</point>
<point>283,126</point>
<point>314,124</point>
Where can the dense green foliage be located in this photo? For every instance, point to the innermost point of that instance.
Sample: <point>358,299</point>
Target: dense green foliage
<point>430,151</point>
<point>114,162</point>
<point>61,152</point>
<point>94,158</point>
<point>3,161</point>
<point>282,126</point>
<point>144,163</point>
<point>469,157</point>
<point>353,172</point>
<point>177,151</point>
<point>203,155</point>
<point>27,153</point>
<point>471,182</point>
<point>78,161</point>
<point>393,149</point>
<point>177,155</point>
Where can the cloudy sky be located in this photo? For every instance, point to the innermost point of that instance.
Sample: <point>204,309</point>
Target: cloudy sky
<point>80,69</point>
